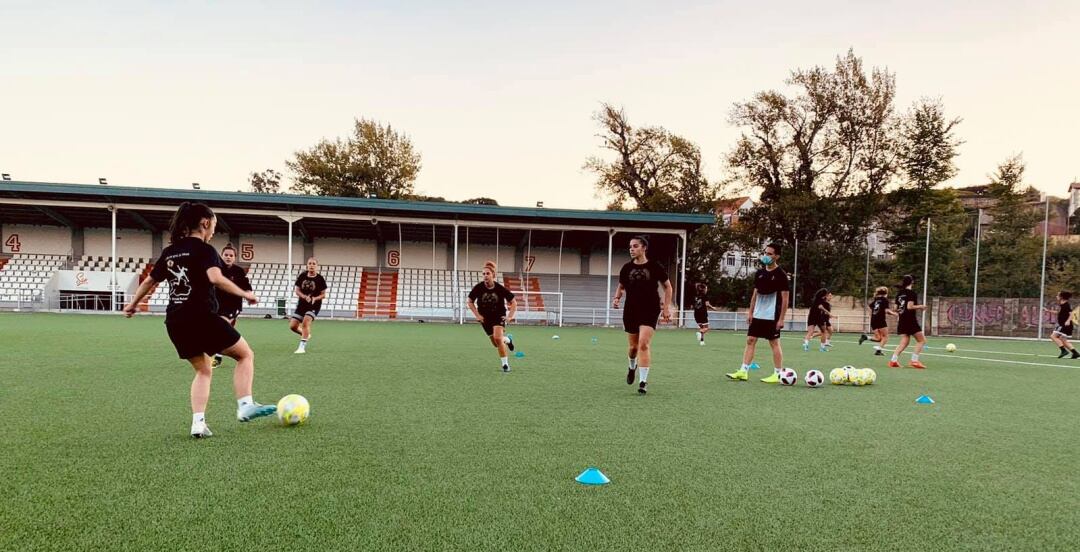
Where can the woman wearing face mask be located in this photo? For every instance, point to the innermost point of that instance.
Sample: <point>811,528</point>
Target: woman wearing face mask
<point>641,279</point>
<point>768,306</point>
<point>229,305</point>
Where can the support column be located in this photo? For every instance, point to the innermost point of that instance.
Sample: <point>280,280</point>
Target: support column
<point>682,286</point>
<point>112,279</point>
<point>78,243</point>
<point>155,244</point>
<point>607,309</point>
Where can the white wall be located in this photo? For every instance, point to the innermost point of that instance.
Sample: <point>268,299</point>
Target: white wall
<point>477,255</point>
<point>50,240</point>
<point>267,249</point>
<point>334,251</point>
<point>129,243</point>
<point>598,261</point>
<point>547,260</point>
<point>418,254</point>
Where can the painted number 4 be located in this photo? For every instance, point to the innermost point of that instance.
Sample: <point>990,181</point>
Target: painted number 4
<point>13,244</point>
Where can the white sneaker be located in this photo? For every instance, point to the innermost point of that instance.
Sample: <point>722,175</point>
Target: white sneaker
<point>254,410</point>
<point>199,430</point>
<point>299,351</point>
<point>702,343</point>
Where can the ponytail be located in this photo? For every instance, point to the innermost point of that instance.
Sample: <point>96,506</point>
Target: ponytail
<point>187,218</point>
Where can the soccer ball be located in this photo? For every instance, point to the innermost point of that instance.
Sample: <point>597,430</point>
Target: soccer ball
<point>293,410</point>
<point>838,376</point>
<point>951,348</point>
<point>788,377</point>
<point>814,378</point>
<point>852,373</point>
<point>869,375</point>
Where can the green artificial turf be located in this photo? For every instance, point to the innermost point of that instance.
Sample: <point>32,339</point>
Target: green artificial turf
<point>418,442</point>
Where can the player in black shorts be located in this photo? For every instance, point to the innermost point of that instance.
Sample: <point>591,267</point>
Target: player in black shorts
<point>768,306</point>
<point>1064,329</point>
<point>817,320</point>
<point>487,301</point>
<point>311,289</point>
<point>701,311</point>
<point>879,307</point>
<point>640,279</point>
<point>192,268</point>
<point>229,305</point>
<point>907,304</point>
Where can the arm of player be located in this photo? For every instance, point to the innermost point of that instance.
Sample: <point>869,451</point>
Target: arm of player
<point>892,312</point>
<point>783,309</point>
<point>221,282</point>
<point>513,311</point>
<point>144,289</point>
<point>320,296</point>
<point>618,296</point>
<point>750,310</point>
<point>475,313</point>
<point>300,294</point>
<point>665,308</point>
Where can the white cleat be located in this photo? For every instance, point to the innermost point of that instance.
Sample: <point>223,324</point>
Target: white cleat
<point>199,430</point>
<point>299,351</point>
<point>702,343</point>
<point>254,410</point>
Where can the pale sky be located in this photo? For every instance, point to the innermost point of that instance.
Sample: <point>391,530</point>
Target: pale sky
<point>497,98</point>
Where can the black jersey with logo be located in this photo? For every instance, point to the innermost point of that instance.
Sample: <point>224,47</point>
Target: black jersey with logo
<point>640,282</point>
<point>904,300</point>
<point>491,302</point>
<point>183,265</point>
<point>311,286</point>
<point>878,308</point>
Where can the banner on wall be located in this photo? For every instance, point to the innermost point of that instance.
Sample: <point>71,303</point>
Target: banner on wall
<point>85,280</point>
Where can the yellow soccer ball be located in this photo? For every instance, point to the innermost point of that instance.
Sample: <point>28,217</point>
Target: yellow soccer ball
<point>951,348</point>
<point>837,376</point>
<point>293,410</point>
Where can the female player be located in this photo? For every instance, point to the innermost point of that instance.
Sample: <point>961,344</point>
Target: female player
<point>818,319</point>
<point>487,301</point>
<point>229,305</point>
<point>192,267</point>
<point>701,311</point>
<point>311,289</point>
<point>907,303</point>
<point>879,307</point>
<point>641,279</point>
<point>1064,329</point>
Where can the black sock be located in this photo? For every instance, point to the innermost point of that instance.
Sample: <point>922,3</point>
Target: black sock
<point>1063,349</point>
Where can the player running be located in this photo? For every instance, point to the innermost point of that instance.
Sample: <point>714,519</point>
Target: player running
<point>640,280</point>
<point>229,305</point>
<point>1064,329</point>
<point>879,307</point>
<point>701,311</point>
<point>487,301</point>
<point>311,288</point>
<point>907,304</point>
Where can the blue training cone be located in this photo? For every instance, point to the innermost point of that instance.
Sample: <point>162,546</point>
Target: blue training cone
<point>754,366</point>
<point>924,399</point>
<point>519,354</point>
<point>592,476</point>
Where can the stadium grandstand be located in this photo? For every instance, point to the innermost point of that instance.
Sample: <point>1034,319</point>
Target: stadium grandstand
<point>86,247</point>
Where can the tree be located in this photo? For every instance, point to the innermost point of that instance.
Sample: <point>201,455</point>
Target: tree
<point>653,170</point>
<point>375,161</point>
<point>481,201</point>
<point>1012,254</point>
<point>265,182</point>
<point>927,145</point>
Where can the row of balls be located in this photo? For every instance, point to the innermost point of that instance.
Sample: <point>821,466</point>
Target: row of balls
<point>850,375</point>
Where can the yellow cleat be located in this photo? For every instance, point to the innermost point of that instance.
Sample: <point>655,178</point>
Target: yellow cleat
<point>775,378</point>
<point>739,375</point>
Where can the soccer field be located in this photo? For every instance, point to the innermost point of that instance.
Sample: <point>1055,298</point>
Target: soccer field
<point>418,442</point>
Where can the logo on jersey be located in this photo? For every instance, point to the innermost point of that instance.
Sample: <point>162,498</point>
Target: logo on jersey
<point>179,284</point>
<point>638,274</point>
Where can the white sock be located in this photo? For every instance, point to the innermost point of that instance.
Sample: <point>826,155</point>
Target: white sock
<point>745,367</point>
<point>504,361</point>
<point>777,370</point>
<point>644,373</point>
<point>198,418</point>
<point>506,339</point>
<point>633,364</point>
<point>915,357</point>
<point>699,336</point>
<point>806,342</point>
<point>877,347</point>
<point>895,357</point>
<point>244,401</point>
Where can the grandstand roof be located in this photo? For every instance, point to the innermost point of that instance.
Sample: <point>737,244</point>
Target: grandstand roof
<point>81,205</point>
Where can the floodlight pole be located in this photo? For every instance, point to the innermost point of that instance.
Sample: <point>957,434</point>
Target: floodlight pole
<point>112,285</point>
<point>682,286</point>
<point>975,289</point>
<point>926,273</point>
<point>607,309</point>
<point>866,284</point>
<point>1042,281</point>
<point>794,281</point>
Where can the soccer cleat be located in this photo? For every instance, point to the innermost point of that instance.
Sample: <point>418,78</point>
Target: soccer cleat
<point>775,378</point>
<point>823,349</point>
<point>894,364</point>
<point>739,375</point>
<point>828,343</point>
<point>630,373</point>
<point>701,343</point>
<point>199,430</point>
<point>879,352</point>
<point>510,342</point>
<point>805,346</point>
<point>216,362</point>
<point>862,339</point>
<point>1075,354</point>
<point>1064,353</point>
<point>917,364</point>
<point>299,351</point>
<point>506,368</point>
<point>643,388</point>
<point>254,410</point>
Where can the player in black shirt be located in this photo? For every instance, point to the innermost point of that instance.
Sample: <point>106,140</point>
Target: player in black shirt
<point>1064,329</point>
<point>487,301</point>
<point>765,317</point>
<point>701,311</point>
<point>229,305</point>
<point>907,304</point>
<point>193,268</point>
<point>311,289</point>
<point>641,279</point>
<point>817,320</point>
<point>879,307</point>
